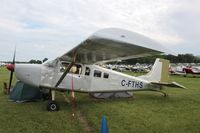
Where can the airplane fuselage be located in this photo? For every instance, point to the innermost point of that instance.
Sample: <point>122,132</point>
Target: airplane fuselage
<point>87,78</point>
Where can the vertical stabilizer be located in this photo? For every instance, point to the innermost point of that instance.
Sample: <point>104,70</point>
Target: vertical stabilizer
<point>159,72</point>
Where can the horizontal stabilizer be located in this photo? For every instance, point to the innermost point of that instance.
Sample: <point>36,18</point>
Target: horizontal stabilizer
<point>172,84</point>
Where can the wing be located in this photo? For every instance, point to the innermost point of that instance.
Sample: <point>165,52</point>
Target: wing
<point>113,44</point>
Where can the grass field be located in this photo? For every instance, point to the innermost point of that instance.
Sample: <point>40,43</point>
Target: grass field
<point>145,112</point>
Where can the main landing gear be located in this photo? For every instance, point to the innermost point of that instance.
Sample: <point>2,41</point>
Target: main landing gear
<point>52,104</point>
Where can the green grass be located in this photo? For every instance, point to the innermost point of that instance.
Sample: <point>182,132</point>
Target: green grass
<point>32,117</point>
<point>145,112</point>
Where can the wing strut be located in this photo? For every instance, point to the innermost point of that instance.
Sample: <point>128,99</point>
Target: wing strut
<point>67,70</point>
<point>53,105</point>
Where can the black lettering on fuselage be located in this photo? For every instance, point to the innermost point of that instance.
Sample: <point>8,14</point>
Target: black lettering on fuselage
<point>141,84</point>
<point>123,82</point>
<point>133,84</point>
<point>137,85</point>
<point>129,83</point>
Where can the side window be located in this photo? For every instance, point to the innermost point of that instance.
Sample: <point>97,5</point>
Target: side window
<point>106,75</point>
<point>97,73</point>
<point>63,66</point>
<point>76,69</point>
<point>87,71</point>
<point>79,69</point>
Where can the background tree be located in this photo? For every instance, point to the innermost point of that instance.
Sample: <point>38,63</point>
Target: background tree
<point>35,61</point>
<point>45,59</point>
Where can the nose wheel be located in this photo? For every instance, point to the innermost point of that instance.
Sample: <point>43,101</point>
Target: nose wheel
<point>52,104</point>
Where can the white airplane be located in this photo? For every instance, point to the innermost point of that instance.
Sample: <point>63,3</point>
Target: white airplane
<point>177,70</point>
<point>76,70</point>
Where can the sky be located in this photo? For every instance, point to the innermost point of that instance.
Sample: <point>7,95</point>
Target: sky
<point>49,28</point>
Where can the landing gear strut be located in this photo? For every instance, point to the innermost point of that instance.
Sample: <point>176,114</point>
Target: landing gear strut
<point>52,104</point>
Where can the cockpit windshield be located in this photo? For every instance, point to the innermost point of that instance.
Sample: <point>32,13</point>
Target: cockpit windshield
<point>51,63</point>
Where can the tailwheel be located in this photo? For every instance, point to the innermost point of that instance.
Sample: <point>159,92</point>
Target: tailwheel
<point>163,93</point>
<point>52,106</point>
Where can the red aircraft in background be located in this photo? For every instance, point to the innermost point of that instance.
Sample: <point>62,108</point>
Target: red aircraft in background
<point>192,70</point>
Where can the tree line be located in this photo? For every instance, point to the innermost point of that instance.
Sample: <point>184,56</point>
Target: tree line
<point>37,61</point>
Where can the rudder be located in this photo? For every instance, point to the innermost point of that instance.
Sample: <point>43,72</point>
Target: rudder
<point>159,72</point>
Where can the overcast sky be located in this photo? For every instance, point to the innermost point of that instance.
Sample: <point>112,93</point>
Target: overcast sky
<point>49,28</point>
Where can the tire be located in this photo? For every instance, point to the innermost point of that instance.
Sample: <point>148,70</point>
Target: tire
<point>52,106</point>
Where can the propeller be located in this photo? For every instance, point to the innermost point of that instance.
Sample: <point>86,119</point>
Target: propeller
<point>11,68</point>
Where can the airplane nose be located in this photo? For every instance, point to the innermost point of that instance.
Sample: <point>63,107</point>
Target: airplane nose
<point>28,73</point>
<point>11,67</point>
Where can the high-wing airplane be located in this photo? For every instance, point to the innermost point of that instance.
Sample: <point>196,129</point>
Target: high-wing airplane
<point>77,69</point>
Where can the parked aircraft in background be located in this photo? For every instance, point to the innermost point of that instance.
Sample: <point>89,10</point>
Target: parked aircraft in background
<point>2,64</point>
<point>184,70</point>
<point>76,70</point>
<point>192,70</point>
<point>177,70</point>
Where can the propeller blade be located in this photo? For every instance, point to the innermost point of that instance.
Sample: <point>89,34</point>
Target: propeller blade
<point>11,71</point>
<point>10,81</point>
<point>13,62</point>
<point>64,74</point>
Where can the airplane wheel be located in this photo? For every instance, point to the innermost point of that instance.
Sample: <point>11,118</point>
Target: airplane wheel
<point>165,94</point>
<point>52,106</point>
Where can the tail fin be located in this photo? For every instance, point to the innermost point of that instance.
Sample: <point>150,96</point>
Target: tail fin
<point>159,72</point>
